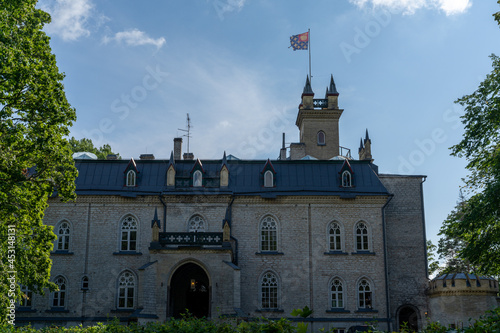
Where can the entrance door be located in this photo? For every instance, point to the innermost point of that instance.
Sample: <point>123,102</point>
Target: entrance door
<point>189,291</point>
<point>409,316</point>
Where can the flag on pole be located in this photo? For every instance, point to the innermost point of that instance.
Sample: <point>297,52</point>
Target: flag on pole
<point>300,42</point>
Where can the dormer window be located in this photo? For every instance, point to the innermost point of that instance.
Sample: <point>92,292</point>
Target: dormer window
<point>197,178</point>
<point>131,178</point>
<point>268,179</point>
<point>346,179</point>
<point>321,138</point>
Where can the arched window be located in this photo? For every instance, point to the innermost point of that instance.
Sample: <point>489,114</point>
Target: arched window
<point>63,233</point>
<point>85,283</point>
<point>365,300</point>
<point>128,230</point>
<point>27,299</point>
<point>269,291</point>
<point>196,224</point>
<point>197,178</point>
<point>335,237</point>
<point>268,234</point>
<point>131,177</point>
<point>321,138</point>
<point>336,294</point>
<point>362,237</point>
<point>346,179</point>
<point>268,179</point>
<point>59,296</point>
<point>126,290</point>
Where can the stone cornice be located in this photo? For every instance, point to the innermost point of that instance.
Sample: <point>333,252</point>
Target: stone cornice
<point>318,114</point>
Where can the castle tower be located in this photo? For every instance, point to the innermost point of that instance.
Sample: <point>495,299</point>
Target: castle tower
<point>318,122</point>
<point>365,148</point>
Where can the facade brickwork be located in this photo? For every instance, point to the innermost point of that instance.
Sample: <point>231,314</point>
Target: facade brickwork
<point>151,250</point>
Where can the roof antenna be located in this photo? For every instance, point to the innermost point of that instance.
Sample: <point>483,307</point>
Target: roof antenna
<point>188,135</point>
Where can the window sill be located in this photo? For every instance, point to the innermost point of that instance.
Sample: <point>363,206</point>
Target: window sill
<point>57,310</point>
<point>339,310</point>
<point>130,253</point>
<point>270,310</point>
<point>269,253</point>
<point>25,309</point>
<point>336,253</point>
<point>366,311</point>
<point>61,252</point>
<point>364,253</point>
<point>122,310</point>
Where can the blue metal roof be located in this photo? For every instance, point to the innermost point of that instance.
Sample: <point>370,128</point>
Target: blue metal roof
<point>297,177</point>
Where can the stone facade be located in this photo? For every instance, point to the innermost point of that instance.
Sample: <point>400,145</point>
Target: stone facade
<point>242,238</point>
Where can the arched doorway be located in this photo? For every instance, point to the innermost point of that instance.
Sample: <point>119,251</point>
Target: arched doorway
<point>408,315</point>
<point>190,290</point>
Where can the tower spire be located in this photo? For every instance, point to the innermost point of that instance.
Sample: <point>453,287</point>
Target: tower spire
<point>307,88</point>
<point>332,89</point>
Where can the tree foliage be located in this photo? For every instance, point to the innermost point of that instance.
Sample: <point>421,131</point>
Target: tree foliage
<point>477,222</point>
<point>35,159</point>
<point>86,145</point>
<point>433,264</point>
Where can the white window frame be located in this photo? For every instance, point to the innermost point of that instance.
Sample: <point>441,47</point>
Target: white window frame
<point>197,179</point>
<point>337,299</point>
<point>362,236</point>
<point>126,290</point>
<point>364,290</point>
<point>269,291</point>
<point>268,234</point>
<point>131,178</point>
<point>346,179</point>
<point>58,299</point>
<point>197,224</point>
<point>63,236</point>
<point>268,179</point>
<point>129,232</point>
<point>335,239</point>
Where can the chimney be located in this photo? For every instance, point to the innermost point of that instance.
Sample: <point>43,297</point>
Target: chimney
<point>177,148</point>
<point>188,156</point>
<point>147,157</point>
<point>111,157</point>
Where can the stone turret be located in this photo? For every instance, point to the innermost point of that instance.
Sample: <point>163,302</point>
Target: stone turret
<point>318,123</point>
<point>365,148</point>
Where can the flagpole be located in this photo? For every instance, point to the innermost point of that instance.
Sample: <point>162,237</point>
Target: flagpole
<point>309,35</point>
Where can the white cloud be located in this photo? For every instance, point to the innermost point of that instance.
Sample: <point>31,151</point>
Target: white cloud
<point>449,7</point>
<point>134,37</point>
<point>70,18</point>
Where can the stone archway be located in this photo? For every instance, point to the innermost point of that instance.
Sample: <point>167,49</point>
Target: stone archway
<point>190,290</point>
<point>409,315</point>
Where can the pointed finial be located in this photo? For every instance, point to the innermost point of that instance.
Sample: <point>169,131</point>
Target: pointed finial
<point>307,88</point>
<point>172,160</point>
<point>361,143</point>
<point>332,90</point>
<point>155,219</point>
<point>367,137</point>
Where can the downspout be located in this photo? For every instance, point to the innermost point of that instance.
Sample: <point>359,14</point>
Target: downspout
<point>423,226</point>
<point>164,212</point>
<point>388,308</point>
<point>229,212</point>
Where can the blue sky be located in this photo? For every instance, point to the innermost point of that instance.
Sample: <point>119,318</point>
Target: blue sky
<point>135,69</point>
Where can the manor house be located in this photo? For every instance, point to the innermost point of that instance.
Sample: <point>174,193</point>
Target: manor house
<point>149,239</point>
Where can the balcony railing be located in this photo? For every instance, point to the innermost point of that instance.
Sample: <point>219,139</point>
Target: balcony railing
<point>190,238</point>
<point>320,103</point>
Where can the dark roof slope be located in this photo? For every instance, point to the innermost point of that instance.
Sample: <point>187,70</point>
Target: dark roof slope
<point>301,177</point>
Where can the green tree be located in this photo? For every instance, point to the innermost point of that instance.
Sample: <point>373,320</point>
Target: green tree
<point>477,221</point>
<point>431,258</point>
<point>35,159</point>
<point>86,145</point>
